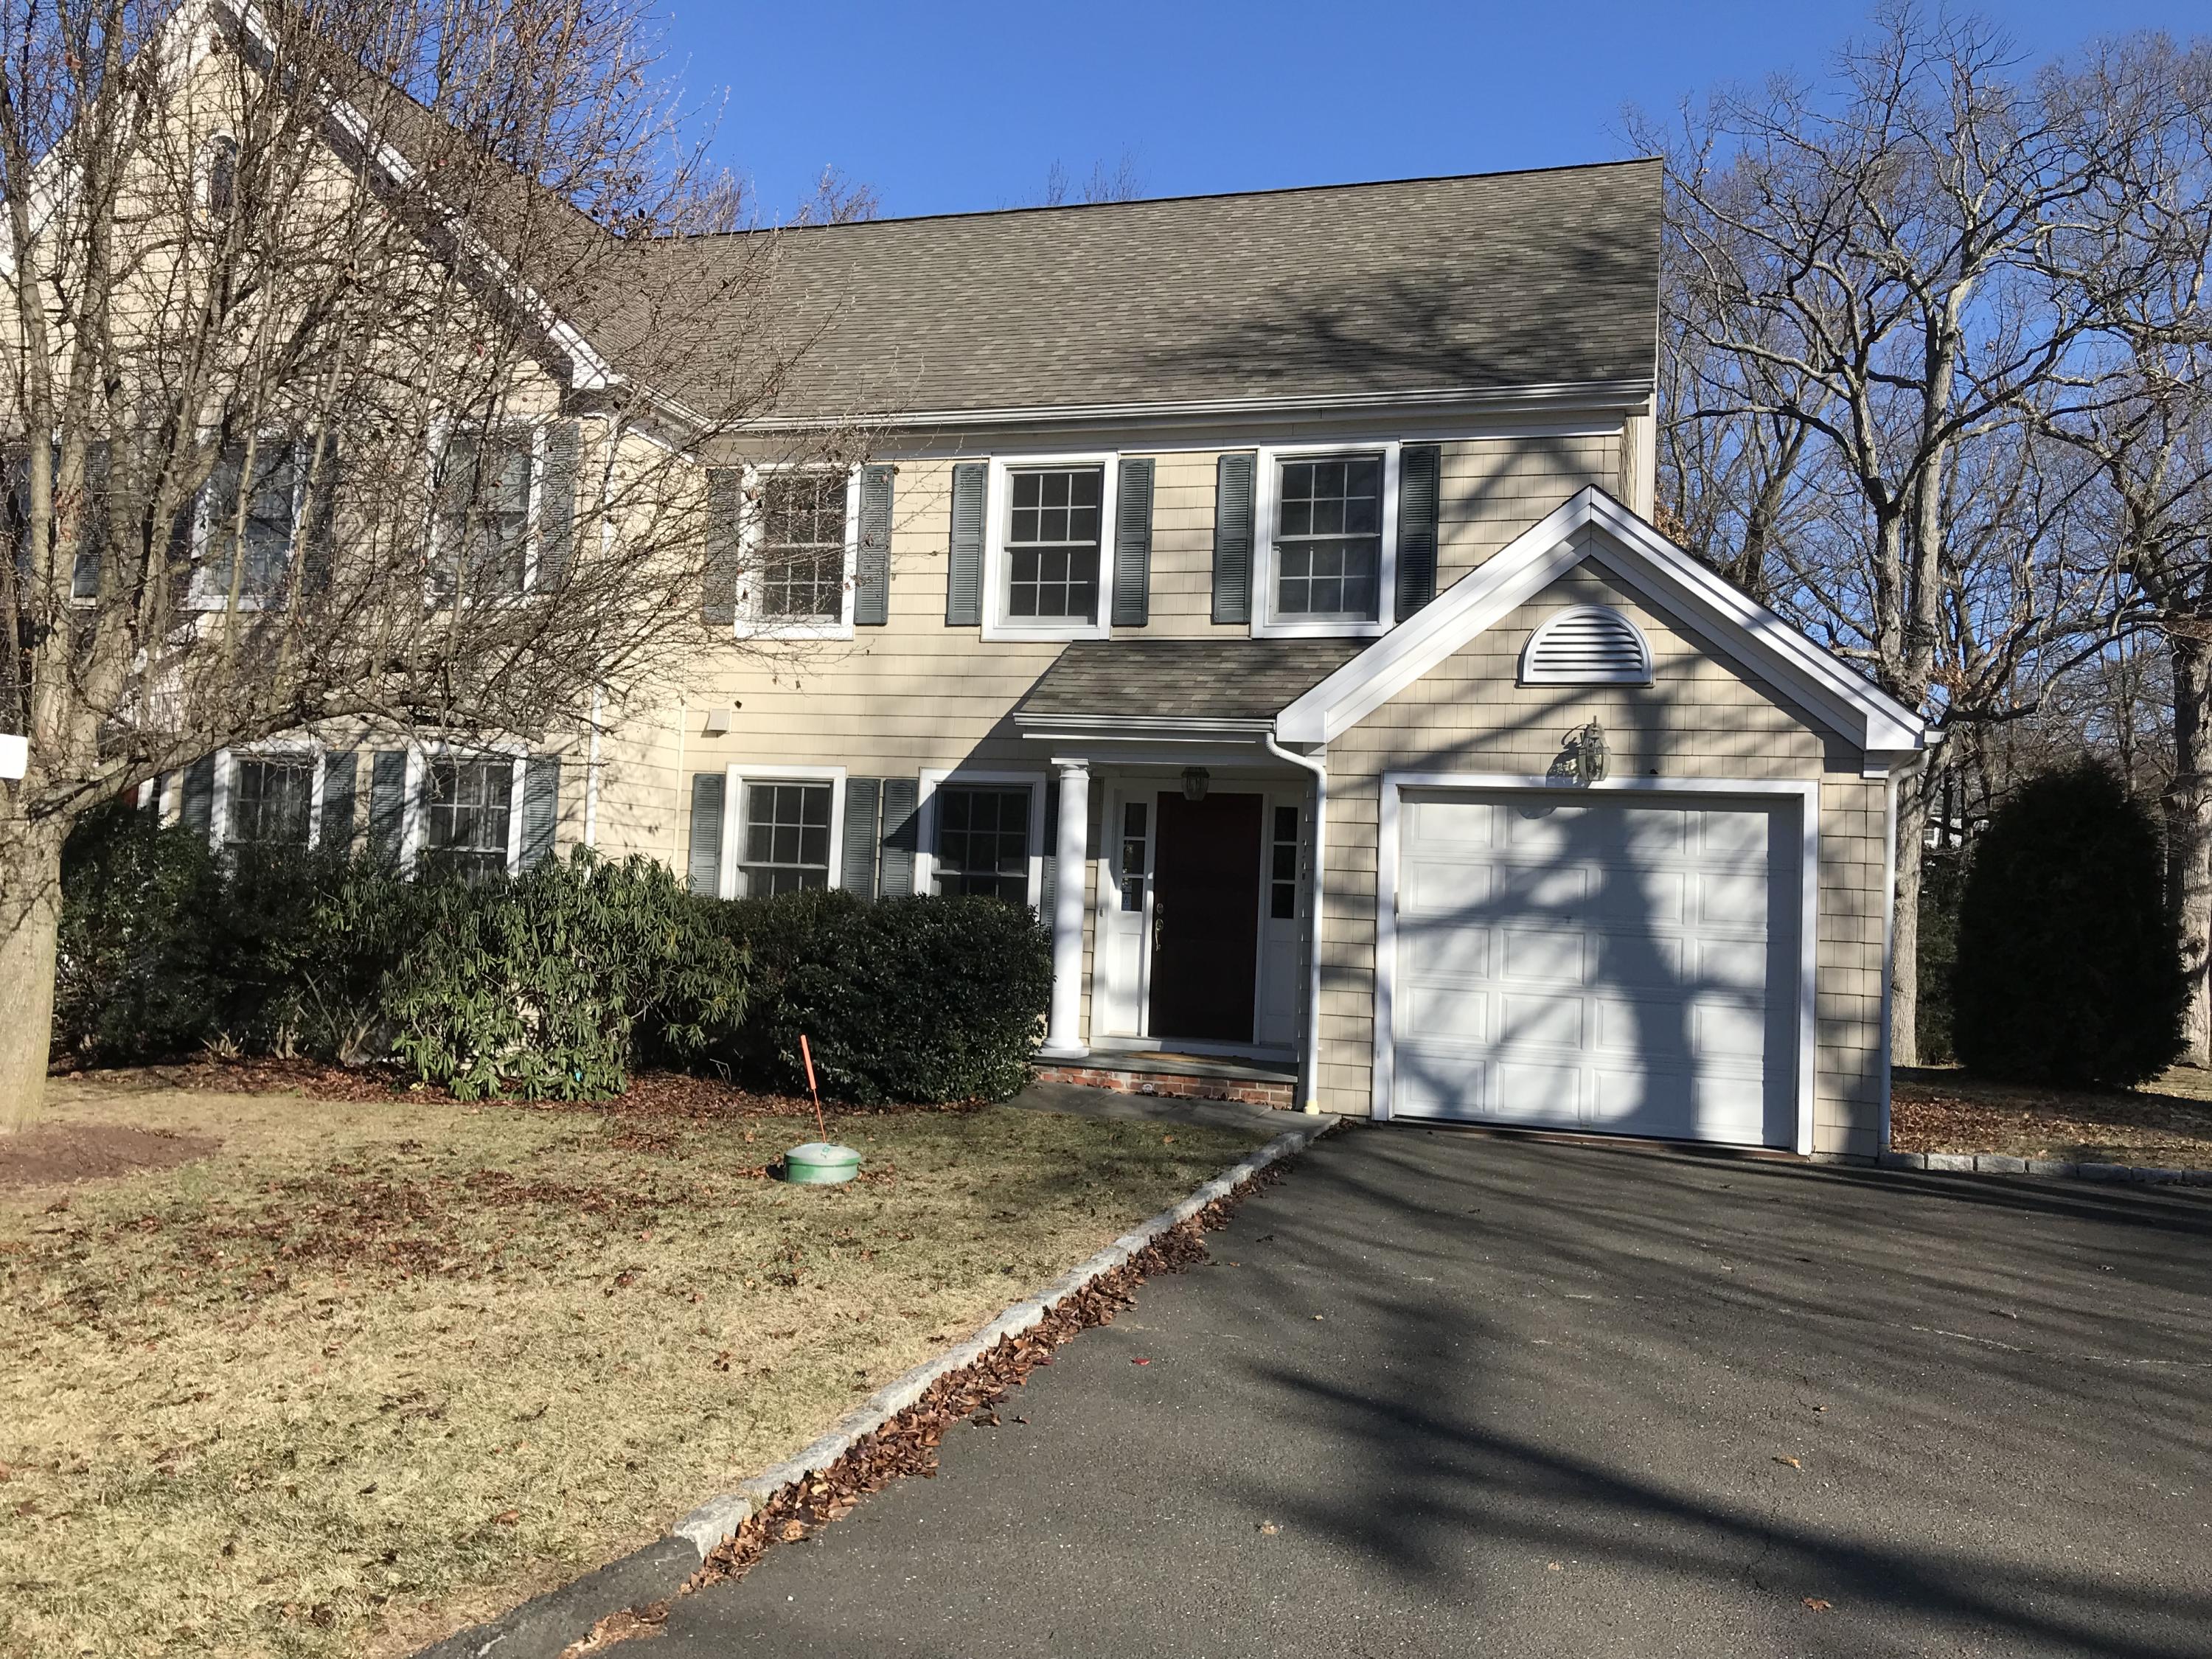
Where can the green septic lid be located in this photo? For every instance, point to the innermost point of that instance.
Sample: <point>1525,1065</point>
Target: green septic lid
<point>821,1163</point>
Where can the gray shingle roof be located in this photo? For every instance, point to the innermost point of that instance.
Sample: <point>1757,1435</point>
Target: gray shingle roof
<point>1236,679</point>
<point>1487,282</point>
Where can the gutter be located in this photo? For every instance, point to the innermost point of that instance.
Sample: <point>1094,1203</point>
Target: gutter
<point>1309,1045</point>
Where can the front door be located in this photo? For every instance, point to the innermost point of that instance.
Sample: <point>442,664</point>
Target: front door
<point>1206,917</point>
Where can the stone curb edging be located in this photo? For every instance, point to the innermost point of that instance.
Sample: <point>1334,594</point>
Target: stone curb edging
<point>720,1517</point>
<point>2000,1164</point>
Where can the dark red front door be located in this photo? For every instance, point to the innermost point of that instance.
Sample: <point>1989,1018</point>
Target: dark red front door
<point>1206,917</point>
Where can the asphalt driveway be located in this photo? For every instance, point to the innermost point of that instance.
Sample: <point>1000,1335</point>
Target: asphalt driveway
<point>1441,1394</point>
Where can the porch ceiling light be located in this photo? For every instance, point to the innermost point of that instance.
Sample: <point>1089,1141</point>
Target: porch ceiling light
<point>1591,756</point>
<point>1194,780</point>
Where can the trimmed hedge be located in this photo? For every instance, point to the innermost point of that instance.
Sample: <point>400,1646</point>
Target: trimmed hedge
<point>553,985</point>
<point>923,1000</point>
<point>2069,966</point>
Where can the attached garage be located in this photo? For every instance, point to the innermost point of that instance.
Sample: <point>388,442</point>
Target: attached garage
<point>1625,958</point>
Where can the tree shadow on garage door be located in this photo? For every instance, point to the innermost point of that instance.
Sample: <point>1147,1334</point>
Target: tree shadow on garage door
<point>1619,1358</point>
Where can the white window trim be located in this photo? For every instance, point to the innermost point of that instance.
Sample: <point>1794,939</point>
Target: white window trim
<point>225,784</point>
<point>750,542</point>
<point>1266,624</point>
<point>198,595</point>
<point>998,512</point>
<point>1805,791</point>
<point>1530,674</point>
<point>415,797</point>
<point>442,432</point>
<point>741,773</point>
<point>925,853</point>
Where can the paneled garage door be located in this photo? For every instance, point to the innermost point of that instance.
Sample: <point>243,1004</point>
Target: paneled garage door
<point>1595,963</point>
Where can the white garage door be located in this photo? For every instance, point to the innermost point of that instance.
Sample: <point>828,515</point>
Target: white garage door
<point>1596,964</point>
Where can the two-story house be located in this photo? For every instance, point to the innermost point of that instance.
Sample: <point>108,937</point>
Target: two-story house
<point>1263,587</point>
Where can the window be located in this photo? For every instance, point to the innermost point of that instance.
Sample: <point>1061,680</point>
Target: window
<point>270,801</point>
<point>802,554</point>
<point>464,819</point>
<point>983,842</point>
<point>785,845</point>
<point>262,541</point>
<point>1329,539</point>
<point>1051,544</point>
<point>484,513</point>
<point>1134,842</point>
<point>222,177</point>
<point>1283,866</point>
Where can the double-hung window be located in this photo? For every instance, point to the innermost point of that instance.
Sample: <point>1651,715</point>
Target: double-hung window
<point>784,837</point>
<point>485,485</point>
<point>801,574</point>
<point>250,548</point>
<point>1329,539</point>
<point>1051,544</point>
<point>983,841</point>
<point>271,801</point>
<point>466,823</point>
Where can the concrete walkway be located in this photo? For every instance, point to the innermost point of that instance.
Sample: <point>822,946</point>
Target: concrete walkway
<point>1445,1395</point>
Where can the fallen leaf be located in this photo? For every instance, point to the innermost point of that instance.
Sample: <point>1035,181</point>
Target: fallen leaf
<point>1269,1528</point>
<point>1818,1604</point>
<point>1140,1362</point>
<point>1792,1461</point>
<point>1552,1566</point>
<point>1167,1140</point>
<point>1819,1409</point>
<point>507,1517</point>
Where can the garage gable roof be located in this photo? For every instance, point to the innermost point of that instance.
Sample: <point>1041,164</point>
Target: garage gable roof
<point>1634,553</point>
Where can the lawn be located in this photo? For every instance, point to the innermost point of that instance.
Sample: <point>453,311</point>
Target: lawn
<point>2166,1124</point>
<point>344,1376</point>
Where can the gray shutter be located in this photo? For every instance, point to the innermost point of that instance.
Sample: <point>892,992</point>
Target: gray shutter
<point>157,796</point>
<point>541,808</point>
<point>341,774</point>
<point>863,797</point>
<point>726,500</point>
<point>901,825</point>
<point>1048,888</point>
<point>871,594</point>
<point>964,579</point>
<point>1233,507</point>
<point>1420,476</point>
<point>1132,544</point>
<point>387,802</point>
<point>556,503</point>
<point>704,872</point>
<point>198,813</point>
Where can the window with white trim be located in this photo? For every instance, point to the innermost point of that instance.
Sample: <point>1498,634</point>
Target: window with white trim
<point>254,546</point>
<point>984,840</point>
<point>271,801</point>
<point>1328,538</point>
<point>784,837</point>
<point>801,576</point>
<point>467,816</point>
<point>485,488</point>
<point>1053,538</point>
<point>221,177</point>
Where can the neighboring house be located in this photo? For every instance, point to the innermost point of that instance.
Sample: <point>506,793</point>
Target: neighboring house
<point>1263,587</point>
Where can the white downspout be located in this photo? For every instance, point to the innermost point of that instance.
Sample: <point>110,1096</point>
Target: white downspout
<point>1310,1059</point>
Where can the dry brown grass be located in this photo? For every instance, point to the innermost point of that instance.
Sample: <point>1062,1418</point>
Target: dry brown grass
<point>375,1369</point>
<point>2165,1125</point>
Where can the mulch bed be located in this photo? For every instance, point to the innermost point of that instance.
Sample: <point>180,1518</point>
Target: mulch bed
<point>56,1152</point>
<point>909,1444</point>
<point>1937,1111</point>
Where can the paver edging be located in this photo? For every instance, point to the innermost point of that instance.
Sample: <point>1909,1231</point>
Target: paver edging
<point>719,1518</point>
<point>2004,1163</point>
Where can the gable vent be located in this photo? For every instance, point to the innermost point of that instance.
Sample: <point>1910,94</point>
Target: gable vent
<point>1589,644</point>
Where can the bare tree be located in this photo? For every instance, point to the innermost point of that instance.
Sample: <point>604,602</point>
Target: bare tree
<point>1116,184</point>
<point>1868,265</point>
<point>340,342</point>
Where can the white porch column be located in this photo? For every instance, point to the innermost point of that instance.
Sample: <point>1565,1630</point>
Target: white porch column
<point>1063,1035</point>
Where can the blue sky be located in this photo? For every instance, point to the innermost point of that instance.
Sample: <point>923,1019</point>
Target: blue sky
<point>949,106</point>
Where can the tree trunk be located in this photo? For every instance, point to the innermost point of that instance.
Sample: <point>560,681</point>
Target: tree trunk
<point>30,916</point>
<point>2188,805</point>
<point>1904,938</point>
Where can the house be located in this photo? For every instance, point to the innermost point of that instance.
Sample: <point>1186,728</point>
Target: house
<point>1264,587</point>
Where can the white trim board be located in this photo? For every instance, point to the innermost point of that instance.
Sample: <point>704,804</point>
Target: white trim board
<point>1805,791</point>
<point>1746,634</point>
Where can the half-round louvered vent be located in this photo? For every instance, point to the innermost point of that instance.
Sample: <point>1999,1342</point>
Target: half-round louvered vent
<point>1589,644</point>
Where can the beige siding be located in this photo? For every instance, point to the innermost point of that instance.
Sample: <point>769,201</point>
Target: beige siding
<point>1699,718</point>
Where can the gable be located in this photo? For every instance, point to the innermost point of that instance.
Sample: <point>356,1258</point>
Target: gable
<point>1593,531</point>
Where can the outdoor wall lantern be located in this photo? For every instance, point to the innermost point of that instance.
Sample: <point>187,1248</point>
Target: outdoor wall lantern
<point>1591,756</point>
<point>1194,780</point>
